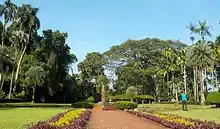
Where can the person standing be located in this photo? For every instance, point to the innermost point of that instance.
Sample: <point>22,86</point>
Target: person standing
<point>184,101</point>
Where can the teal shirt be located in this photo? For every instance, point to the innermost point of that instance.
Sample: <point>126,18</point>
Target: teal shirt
<point>184,97</point>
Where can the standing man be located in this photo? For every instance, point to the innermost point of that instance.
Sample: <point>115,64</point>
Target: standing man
<point>184,101</point>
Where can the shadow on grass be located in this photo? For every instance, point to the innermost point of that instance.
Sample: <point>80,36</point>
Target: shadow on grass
<point>33,105</point>
<point>5,108</point>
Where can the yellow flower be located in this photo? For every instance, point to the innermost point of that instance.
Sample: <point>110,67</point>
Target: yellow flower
<point>68,117</point>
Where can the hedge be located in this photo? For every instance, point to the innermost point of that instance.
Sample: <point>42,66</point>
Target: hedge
<point>188,102</point>
<point>34,105</point>
<point>125,105</point>
<point>214,98</point>
<point>10,100</point>
<point>82,105</point>
<point>125,97</point>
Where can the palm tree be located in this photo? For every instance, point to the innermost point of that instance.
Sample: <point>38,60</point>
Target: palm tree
<point>203,30</point>
<point>29,23</point>
<point>201,56</point>
<point>8,10</point>
<point>19,41</point>
<point>35,76</point>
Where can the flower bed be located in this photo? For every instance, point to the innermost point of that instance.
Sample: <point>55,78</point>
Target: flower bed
<point>176,122</point>
<point>72,119</point>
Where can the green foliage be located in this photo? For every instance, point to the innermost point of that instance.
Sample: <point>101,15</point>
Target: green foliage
<point>125,105</point>
<point>82,105</point>
<point>2,94</point>
<point>131,90</point>
<point>91,99</point>
<point>21,95</point>
<point>126,97</point>
<point>214,98</point>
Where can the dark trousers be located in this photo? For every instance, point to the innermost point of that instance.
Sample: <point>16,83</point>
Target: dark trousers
<point>184,105</point>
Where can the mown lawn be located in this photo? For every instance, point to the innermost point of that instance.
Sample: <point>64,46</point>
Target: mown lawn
<point>195,111</point>
<point>170,107</point>
<point>18,118</point>
<point>202,114</point>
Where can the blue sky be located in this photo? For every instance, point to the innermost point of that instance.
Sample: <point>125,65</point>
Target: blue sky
<point>96,25</point>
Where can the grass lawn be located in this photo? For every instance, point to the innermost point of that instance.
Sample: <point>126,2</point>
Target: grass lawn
<point>202,114</point>
<point>17,118</point>
<point>195,111</point>
<point>170,107</point>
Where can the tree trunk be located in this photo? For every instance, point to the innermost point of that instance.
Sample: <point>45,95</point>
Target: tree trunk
<point>3,33</point>
<point>0,76</point>
<point>202,97</point>
<point>33,94</point>
<point>197,86</point>
<point>18,68</point>
<point>216,81</point>
<point>2,84</point>
<point>11,83</point>
<point>213,85</point>
<point>103,95</point>
<point>184,74</point>
<point>194,84</point>
<point>177,95</point>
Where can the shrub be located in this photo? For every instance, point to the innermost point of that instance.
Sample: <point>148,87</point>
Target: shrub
<point>125,105</point>
<point>91,99</point>
<point>2,94</point>
<point>214,98</point>
<point>82,105</point>
<point>127,97</point>
<point>20,95</point>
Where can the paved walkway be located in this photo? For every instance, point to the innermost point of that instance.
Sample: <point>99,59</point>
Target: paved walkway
<point>120,120</point>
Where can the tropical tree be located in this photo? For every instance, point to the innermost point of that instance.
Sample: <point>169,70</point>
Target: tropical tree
<point>34,77</point>
<point>131,91</point>
<point>8,11</point>
<point>201,56</point>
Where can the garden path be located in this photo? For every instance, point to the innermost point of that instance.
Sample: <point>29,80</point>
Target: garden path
<point>120,120</point>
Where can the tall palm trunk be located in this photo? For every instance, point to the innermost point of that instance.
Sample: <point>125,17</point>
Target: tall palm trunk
<point>202,97</point>
<point>184,76</point>
<point>213,85</point>
<point>0,76</point>
<point>177,94</point>
<point>33,94</point>
<point>197,86</point>
<point>3,33</point>
<point>216,81</point>
<point>194,84</point>
<point>18,68</point>
<point>103,94</point>
<point>11,83</point>
<point>2,84</point>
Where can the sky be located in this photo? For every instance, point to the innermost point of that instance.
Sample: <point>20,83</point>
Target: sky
<point>96,25</point>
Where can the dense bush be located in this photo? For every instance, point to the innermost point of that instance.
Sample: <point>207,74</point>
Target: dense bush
<point>82,105</point>
<point>91,99</point>
<point>214,98</point>
<point>176,122</point>
<point>125,105</point>
<point>21,95</point>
